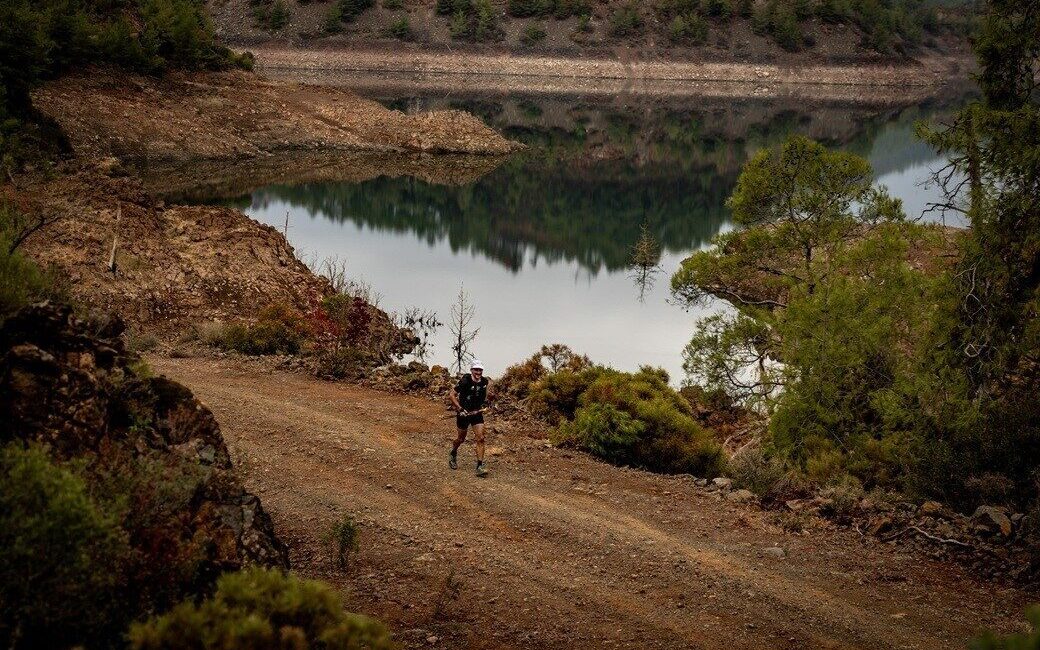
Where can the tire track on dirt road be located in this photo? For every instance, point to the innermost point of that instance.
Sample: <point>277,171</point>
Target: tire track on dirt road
<point>555,549</point>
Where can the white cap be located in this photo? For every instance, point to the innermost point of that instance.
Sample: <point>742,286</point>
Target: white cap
<point>476,365</point>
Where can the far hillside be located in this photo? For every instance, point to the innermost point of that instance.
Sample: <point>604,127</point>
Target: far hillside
<point>833,31</point>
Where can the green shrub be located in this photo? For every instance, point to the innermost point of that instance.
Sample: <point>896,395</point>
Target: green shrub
<point>1024,641</point>
<point>22,282</point>
<point>601,430</point>
<point>601,410</point>
<point>344,538</point>
<point>532,34</point>
<point>350,9</point>
<point>717,8</point>
<point>473,20</point>
<point>260,608</point>
<point>333,21</point>
<point>400,29</point>
<point>279,329</point>
<point>393,5</point>
<point>688,30</point>
<point>559,9</point>
<point>626,20</point>
<point>60,556</point>
<point>753,469</point>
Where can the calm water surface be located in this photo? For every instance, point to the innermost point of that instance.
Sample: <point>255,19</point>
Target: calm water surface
<point>542,243</point>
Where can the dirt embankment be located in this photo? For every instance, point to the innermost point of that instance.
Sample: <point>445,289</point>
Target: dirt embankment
<point>182,264</point>
<point>236,115</point>
<point>175,265</point>
<point>555,549</point>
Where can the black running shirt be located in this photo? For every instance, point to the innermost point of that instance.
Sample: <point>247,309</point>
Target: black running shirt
<point>471,395</point>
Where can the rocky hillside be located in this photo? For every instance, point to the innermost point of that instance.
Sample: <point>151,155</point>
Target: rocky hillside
<point>791,31</point>
<point>74,388</point>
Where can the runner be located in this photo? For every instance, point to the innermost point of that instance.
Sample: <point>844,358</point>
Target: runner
<point>468,398</point>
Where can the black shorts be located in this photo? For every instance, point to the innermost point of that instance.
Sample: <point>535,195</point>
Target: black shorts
<point>464,421</point>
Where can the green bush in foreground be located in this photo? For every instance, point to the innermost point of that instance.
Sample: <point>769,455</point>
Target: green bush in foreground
<point>60,555</point>
<point>1027,641</point>
<point>259,609</point>
<point>627,418</point>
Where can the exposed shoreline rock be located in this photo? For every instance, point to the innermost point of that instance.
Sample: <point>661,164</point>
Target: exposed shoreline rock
<point>234,115</point>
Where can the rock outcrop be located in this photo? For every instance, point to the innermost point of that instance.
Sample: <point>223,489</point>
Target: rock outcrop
<point>71,386</point>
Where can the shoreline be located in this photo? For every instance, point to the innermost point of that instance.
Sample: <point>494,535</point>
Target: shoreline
<point>610,76</point>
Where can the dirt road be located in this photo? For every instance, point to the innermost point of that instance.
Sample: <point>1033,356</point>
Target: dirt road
<point>554,549</point>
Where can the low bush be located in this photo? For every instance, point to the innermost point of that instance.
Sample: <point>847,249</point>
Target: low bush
<point>516,382</point>
<point>753,469</point>
<point>626,20</point>
<point>533,34</point>
<point>690,29</point>
<point>603,431</point>
<point>559,9</point>
<point>344,11</point>
<point>400,29</point>
<point>778,21</point>
<point>392,5</point>
<point>279,329</point>
<point>630,418</point>
<point>272,15</point>
<point>22,282</point>
<point>1018,641</point>
<point>344,538</point>
<point>60,556</point>
<point>261,608</point>
<point>473,20</point>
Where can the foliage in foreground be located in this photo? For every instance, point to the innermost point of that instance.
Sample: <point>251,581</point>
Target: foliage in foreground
<point>1027,641</point>
<point>59,552</point>
<point>262,609</point>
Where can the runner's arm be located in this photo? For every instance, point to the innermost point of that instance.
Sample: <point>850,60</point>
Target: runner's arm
<point>454,395</point>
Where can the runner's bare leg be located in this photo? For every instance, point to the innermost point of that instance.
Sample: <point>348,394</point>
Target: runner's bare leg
<point>458,441</point>
<point>478,434</point>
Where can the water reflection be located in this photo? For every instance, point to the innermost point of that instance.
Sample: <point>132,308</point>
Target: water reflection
<point>544,241</point>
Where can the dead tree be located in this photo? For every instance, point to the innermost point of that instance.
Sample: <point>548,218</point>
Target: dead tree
<point>17,226</point>
<point>462,335</point>
<point>645,261</point>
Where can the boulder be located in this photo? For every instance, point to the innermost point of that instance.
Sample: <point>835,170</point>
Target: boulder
<point>722,483</point>
<point>993,520</point>
<point>775,552</point>
<point>930,509</point>
<point>741,496</point>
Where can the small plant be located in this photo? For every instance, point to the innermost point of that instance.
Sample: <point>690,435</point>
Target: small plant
<point>717,8</point>
<point>584,24</point>
<point>532,34</point>
<point>400,29</point>
<point>140,341</point>
<point>344,538</point>
<point>626,20</point>
<point>688,30</point>
<point>393,5</point>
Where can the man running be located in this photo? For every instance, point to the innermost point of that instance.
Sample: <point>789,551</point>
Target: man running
<point>468,398</point>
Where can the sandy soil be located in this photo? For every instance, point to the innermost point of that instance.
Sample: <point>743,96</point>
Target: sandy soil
<point>555,549</point>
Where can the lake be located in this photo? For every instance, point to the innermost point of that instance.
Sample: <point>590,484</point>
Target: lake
<point>542,242</point>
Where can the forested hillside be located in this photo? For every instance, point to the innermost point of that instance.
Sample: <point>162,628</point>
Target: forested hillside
<point>746,29</point>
